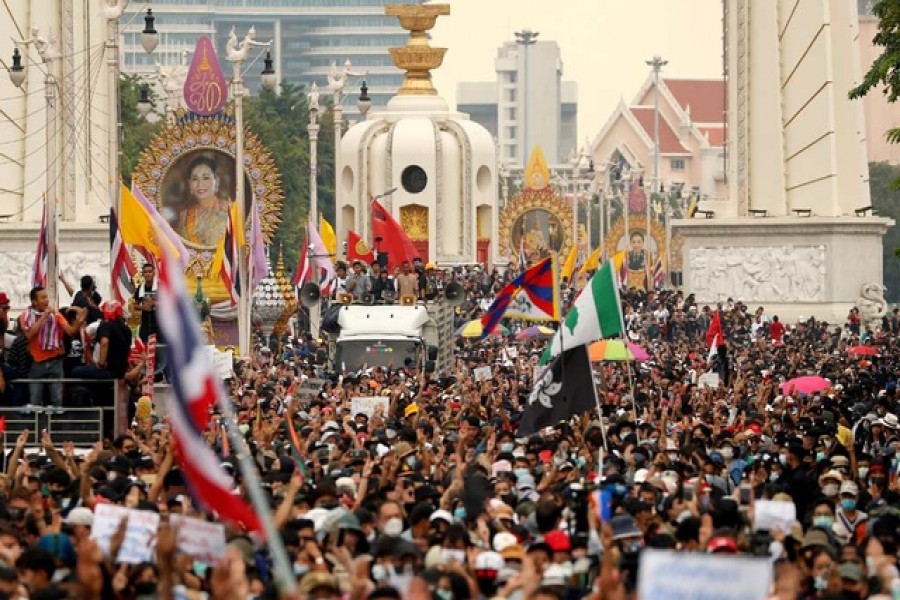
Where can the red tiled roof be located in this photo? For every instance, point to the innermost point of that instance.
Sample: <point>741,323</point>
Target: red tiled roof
<point>705,97</point>
<point>716,135</point>
<point>668,141</point>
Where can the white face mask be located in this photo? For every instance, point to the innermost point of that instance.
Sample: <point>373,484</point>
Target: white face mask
<point>830,490</point>
<point>727,453</point>
<point>393,527</point>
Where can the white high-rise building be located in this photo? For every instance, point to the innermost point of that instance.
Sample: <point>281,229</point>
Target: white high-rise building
<point>528,105</point>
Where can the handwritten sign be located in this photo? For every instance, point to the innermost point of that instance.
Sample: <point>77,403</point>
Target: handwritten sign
<point>367,405</point>
<point>683,576</point>
<point>205,88</point>
<point>483,374</point>
<point>709,380</point>
<point>140,536</point>
<point>201,540</point>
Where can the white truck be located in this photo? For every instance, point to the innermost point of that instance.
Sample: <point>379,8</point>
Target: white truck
<point>384,335</point>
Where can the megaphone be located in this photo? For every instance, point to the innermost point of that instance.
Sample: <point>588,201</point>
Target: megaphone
<point>310,294</point>
<point>454,294</point>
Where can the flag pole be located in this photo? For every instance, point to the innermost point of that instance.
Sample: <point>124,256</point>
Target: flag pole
<point>284,574</point>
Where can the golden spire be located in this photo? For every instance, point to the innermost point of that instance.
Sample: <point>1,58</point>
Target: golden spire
<point>417,58</point>
<point>537,175</point>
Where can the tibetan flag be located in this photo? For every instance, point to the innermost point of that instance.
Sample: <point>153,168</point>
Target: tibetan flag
<point>196,388</point>
<point>596,314</point>
<point>568,269</point>
<point>326,232</point>
<point>533,296</point>
<point>122,267</point>
<point>39,275</point>
<point>394,240</point>
<point>358,249</point>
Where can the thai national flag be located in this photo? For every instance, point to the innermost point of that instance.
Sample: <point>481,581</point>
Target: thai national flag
<point>230,272</point>
<point>538,283</point>
<point>303,273</point>
<point>123,269</point>
<point>659,274</point>
<point>196,389</point>
<point>41,255</point>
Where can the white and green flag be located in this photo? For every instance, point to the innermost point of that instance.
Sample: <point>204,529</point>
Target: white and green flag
<point>596,314</point>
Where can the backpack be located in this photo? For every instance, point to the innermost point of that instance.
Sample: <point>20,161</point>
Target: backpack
<point>19,356</point>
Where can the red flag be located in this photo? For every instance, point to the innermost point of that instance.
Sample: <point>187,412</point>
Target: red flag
<point>715,337</point>
<point>304,265</point>
<point>394,240</point>
<point>358,249</point>
<point>3,424</point>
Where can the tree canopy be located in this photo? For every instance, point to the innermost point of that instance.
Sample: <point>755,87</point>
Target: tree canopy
<point>885,71</point>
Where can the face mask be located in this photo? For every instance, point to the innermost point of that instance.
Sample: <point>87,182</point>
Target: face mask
<point>133,455</point>
<point>848,503</point>
<point>782,458</point>
<point>301,570</point>
<point>820,582</point>
<point>830,490</point>
<point>673,456</point>
<point>443,594</point>
<point>820,456</point>
<point>509,499</point>
<point>393,527</point>
<point>654,441</point>
<point>450,554</point>
<point>776,427</point>
<point>145,588</point>
<point>411,461</point>
<point>862,472</point>
<point>823,521</point>
<point>520,472</point>
<point>727,453</point>
<point>459,513</point>
<point>506,447</point>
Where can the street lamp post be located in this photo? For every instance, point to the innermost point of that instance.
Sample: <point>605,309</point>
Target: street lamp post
<point>313,131</point>
<point>525,38</point>
<point>657,63</point>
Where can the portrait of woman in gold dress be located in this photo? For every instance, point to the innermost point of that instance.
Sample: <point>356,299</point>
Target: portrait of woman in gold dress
<point>203,220</point>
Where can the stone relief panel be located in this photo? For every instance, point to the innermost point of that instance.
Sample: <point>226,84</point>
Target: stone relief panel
<point>15,277</point>
<point>759,274</point>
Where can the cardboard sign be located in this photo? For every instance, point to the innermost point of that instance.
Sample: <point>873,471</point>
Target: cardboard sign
<point>224,361</point>
<point>668,574</point>
<point>483,374</point>
<point>201,540</point>
<point>140,537</point>
<point>367,405</point>
<point>710,380</point>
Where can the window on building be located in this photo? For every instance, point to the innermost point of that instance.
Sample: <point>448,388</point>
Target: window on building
<point>513,77</point>
<point>676,164</point>
<point>511,114</point>
<point>510,95</point>
<point>511,133</point>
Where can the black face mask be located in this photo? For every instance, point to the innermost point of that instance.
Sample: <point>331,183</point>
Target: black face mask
<point>509,499</point>
<point>145,588</point>
<point>133,455</point>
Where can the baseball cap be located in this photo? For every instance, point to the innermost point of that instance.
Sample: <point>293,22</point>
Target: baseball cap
<point>558,541</point>
<point>4,300</point>
<point>849,487</point>
<point>79,516</point>
<point>722,544</point>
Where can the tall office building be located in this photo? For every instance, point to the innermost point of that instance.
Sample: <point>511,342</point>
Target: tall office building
<point>307,37</point>
<point>528,105</point>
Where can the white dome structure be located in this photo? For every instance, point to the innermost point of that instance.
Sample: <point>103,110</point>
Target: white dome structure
<point>441,166</point>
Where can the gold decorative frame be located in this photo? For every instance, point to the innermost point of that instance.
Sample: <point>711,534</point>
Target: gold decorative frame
<point>190,133</point>
<point>637,222</point>
<point>529,199</point>
<point>414,221</point>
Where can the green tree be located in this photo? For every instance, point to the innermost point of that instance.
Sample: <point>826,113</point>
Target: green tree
<point>886,202</point>
<point>885,71</point>
<point>137,131</point>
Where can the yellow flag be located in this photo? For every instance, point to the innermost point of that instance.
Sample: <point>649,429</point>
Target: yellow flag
<point>136,224</point>
<point>618,259</point>
<point>592,263</point>
<point>569,267</point>
<point>236,225</point>
<point>326,232</point>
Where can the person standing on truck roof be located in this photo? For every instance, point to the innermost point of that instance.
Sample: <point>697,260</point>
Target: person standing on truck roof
<point>408,282</point>
<point>340,280</point>
<point>358,282</point>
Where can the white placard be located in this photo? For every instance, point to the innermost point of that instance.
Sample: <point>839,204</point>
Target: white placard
<point>709,380</point>
<point>682,576</point>
<point>367,405</point>
<point>483,374</point>
<point>512,352</point>
<point>140,537</point>
<point>224,361</point>
<point>201,540</point>
<point>769,514</point>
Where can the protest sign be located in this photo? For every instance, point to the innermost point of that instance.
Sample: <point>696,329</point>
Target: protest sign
<point>708,380</point>
<point>201,540</point>
<point>482,374</point>
<point>769,514</point>
<point>367,405</point>
<point>682,575</point>
<point>140,536</point>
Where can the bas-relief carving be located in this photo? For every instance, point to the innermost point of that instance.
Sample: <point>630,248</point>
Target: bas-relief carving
<point>764,274</point>
<point>871,304</point>
<point>15,277</point>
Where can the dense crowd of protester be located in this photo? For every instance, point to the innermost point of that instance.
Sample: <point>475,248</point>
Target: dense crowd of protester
<point>438,497</point>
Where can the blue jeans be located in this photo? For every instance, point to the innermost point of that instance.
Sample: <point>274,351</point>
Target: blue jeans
<point>49,369</point>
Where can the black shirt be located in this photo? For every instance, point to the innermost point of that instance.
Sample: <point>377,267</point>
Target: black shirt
<point>148,317</point>
<point>90,303</point>
<point>119,336</point>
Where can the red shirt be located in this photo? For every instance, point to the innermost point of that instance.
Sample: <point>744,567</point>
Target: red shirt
<point>776,330</point>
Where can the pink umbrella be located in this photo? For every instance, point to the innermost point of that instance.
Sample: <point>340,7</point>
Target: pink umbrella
<point>640,354</point>
<point>810,384</point>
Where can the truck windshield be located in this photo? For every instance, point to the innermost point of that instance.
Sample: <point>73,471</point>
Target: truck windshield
<point>352,355</point>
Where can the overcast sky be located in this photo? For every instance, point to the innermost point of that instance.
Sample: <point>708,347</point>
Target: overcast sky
<point>603,44</point>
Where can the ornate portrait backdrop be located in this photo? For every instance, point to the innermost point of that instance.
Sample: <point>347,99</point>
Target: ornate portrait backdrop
<point>542,232</point>
<point>196,196</point>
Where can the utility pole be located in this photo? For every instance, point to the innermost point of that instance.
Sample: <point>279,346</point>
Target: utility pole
<point>657,63</point>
